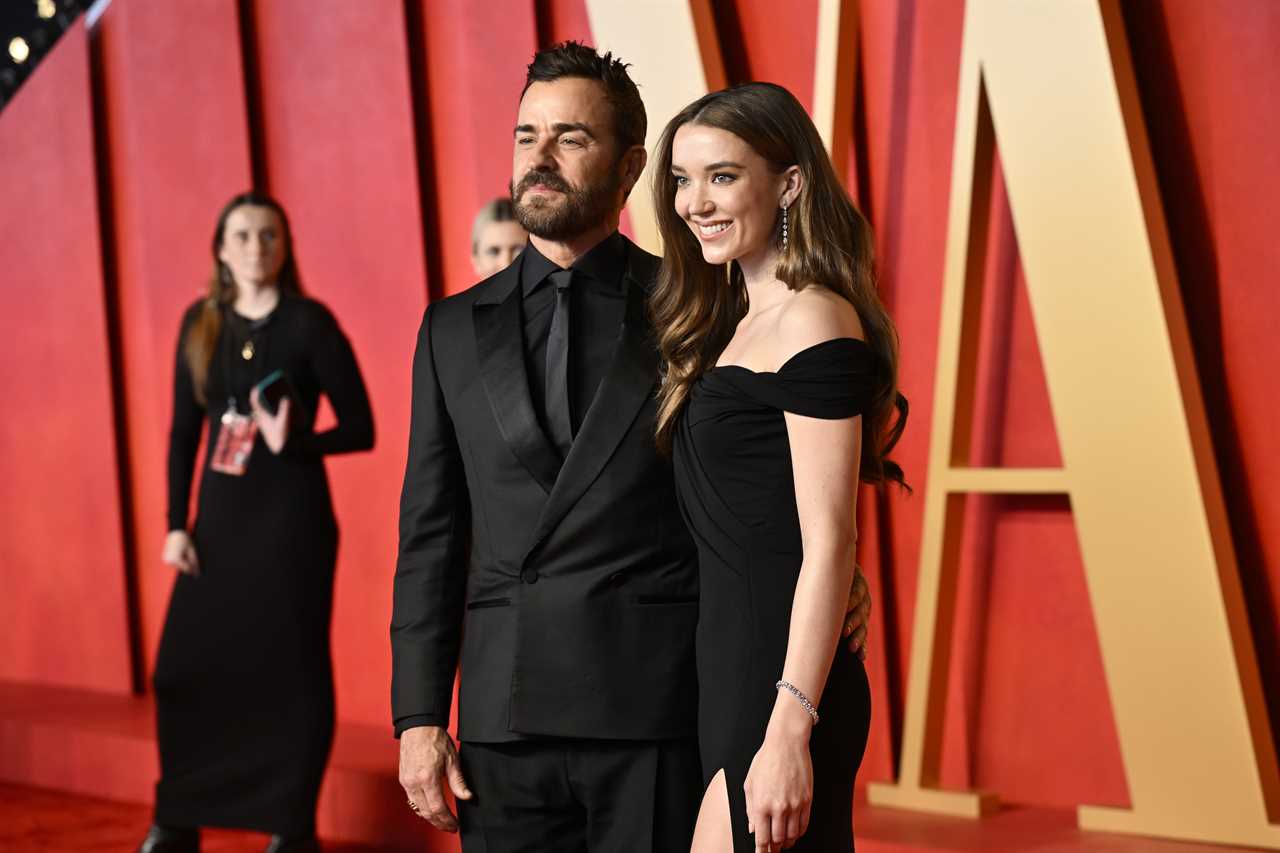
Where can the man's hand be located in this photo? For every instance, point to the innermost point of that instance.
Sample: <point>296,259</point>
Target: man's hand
<point>858,614</point>
<point>429,761</point>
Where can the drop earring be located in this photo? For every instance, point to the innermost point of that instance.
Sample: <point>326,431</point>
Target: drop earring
<point>784,228</point>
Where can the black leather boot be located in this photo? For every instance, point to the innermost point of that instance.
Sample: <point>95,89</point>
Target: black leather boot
<point>169,839</point>
<point>305,844</point>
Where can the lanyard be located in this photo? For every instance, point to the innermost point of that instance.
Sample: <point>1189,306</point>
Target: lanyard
<point>257,353</point>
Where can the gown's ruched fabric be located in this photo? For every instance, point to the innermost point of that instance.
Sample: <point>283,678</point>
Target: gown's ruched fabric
<point>737,492</point>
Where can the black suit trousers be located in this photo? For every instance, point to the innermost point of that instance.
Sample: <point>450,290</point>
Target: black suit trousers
<point>580,796</point>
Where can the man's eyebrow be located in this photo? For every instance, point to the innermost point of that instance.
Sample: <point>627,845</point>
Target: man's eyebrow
<point>570,127</point>
<point>559,128</point>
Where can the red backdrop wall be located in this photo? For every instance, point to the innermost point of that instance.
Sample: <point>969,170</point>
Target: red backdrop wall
<point>382,128</point>
<point>62,559</point>
<point>164,177</point>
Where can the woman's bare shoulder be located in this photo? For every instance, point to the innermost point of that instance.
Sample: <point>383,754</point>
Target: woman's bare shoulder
<point>813,316</point>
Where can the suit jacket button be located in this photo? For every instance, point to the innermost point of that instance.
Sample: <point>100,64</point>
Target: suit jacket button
<point>617,578</point>
<point>529,576</point>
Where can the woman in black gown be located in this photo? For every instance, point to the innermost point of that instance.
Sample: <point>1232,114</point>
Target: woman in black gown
<point>780,384</point>
<point>243,680</point>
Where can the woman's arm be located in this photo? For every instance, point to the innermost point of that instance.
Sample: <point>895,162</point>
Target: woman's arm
<point>335,366</point>
<point>779,785</point>
<point>185,429</point>
<point>825,458</point>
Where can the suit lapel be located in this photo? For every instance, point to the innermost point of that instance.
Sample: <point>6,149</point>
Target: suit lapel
<point>500,347</point>
<point>627,385</point>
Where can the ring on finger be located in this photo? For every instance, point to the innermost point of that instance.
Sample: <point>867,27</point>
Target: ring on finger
<point>413,806</point>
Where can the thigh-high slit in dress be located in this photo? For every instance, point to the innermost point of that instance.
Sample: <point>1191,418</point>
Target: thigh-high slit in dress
<point>737,492</point>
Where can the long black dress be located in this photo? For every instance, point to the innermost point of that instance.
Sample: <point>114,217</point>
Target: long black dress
<point>243,680</point>
<point>734,478</point>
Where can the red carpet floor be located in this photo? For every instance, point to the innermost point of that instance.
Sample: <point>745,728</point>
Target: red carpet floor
<point>99,752</point>
<point>37,820</point>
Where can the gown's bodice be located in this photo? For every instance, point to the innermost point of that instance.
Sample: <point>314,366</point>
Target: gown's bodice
<point>732,452</point>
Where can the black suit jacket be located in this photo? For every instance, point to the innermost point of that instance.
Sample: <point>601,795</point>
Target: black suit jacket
<point>567,594</point>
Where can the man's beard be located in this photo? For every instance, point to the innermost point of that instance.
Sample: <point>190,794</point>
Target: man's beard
<point>583,207</point>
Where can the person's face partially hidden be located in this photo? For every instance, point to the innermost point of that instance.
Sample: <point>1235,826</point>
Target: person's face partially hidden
<point>253,245</point>
<point>497,247</point>
<point>567,173</point>
<point>726,192</point>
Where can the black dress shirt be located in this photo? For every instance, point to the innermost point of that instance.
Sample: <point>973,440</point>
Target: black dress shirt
<point>598,305</point>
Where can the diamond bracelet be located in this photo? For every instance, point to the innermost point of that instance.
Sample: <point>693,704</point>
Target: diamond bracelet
<point>804,700</point>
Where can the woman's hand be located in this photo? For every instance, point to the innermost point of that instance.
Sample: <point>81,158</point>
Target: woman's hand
<point>274,428</point>
<point>180,552</point>
<point>779,786</point>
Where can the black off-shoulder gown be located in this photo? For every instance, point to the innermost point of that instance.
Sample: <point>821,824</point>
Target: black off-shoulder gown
<point>243,680</point>
<point>737,492</point>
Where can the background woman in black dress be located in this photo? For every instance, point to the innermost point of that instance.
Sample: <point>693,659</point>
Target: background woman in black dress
<point>243,681</point>
<point>780,383</point>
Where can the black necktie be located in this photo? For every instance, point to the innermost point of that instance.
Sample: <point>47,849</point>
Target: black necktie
<point>557,397</point>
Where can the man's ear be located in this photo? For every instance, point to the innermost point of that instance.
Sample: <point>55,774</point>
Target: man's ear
<point>632,165</point>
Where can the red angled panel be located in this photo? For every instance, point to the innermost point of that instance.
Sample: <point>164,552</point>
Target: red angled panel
<point>338,129</point>
<point>176,150</point>
<point>475,60</point>
<point>62,573</point>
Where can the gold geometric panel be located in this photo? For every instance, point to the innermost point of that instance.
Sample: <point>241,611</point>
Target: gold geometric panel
<point>1052,81</point>
<point>675,59</point>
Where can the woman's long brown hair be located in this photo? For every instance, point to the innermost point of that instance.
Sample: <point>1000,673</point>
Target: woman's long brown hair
<point>202,335</point>
<point>696,305</point>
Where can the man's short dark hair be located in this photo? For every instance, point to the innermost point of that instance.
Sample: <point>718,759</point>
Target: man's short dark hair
<point>574,59</point>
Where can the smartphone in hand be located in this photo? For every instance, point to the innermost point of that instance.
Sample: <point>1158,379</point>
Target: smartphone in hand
<point>273,388</point>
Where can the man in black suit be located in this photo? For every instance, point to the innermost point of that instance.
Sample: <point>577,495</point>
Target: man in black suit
<point>541,545</point>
